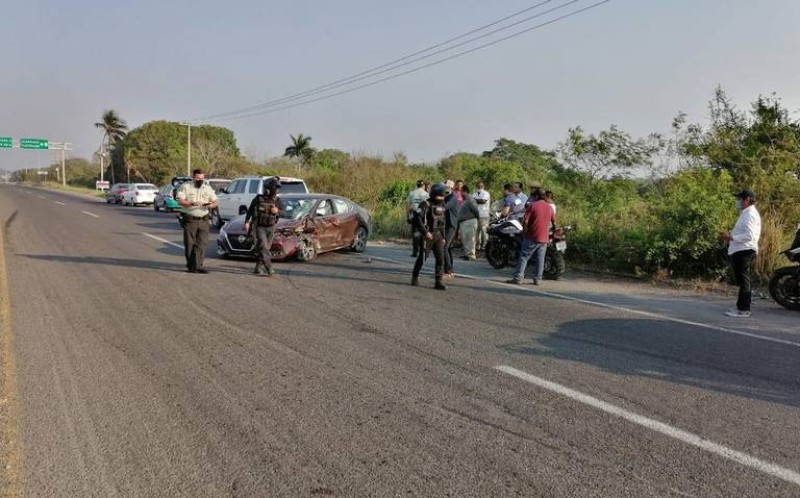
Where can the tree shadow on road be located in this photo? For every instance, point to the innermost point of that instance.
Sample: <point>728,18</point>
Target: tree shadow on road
<point>654,349</point>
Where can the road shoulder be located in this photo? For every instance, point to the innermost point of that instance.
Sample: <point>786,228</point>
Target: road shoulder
<point>11,475</point>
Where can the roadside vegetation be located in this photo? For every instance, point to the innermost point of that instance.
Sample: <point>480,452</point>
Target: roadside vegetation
<point>651,205</point>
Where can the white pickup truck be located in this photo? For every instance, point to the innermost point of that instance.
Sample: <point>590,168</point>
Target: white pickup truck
<point>236,198</point>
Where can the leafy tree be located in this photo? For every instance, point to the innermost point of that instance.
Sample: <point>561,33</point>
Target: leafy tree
<point>300,148</point>
<point>611,153</point>
<point>330,159</point>
<point>114,130</point>
<point>536,162</point>
<point>157,150</point>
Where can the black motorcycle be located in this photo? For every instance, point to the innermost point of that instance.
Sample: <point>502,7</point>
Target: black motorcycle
<point>784,286</point>
<point>502,248</point>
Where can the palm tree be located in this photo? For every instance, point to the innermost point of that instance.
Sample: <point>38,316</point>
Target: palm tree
<point>114,129</point>
<point>301,147</point>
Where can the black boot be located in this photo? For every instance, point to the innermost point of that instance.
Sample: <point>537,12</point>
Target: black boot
<point>415,281</point>
<point>439,285</point>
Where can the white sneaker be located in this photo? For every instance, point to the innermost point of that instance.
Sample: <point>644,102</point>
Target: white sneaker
<point>737,313</point>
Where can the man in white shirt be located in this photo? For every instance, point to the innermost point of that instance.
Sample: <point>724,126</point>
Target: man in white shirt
<point>483,200</point>
<point>742,249</point>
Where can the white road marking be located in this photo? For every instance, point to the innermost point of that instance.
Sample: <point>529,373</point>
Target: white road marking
<point>173,244</point>
<point>60,203</point>
<point>654,425</point>
<point>90,214</point>
<point>649,314</point>
<point>41,197</point>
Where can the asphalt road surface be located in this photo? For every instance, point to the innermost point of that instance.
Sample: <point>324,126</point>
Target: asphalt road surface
<point>337,378</point>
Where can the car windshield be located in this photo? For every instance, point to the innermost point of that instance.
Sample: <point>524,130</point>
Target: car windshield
<point>146,187</point>
<point>295,209</point>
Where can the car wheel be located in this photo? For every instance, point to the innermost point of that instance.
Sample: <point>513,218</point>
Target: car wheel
<point>307,252</point>
<point>360,240</point>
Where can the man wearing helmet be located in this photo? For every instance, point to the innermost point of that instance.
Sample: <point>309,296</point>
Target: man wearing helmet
<point>264,210</point>
<point>429,221</point>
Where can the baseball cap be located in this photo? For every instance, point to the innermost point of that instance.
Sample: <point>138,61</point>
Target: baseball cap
<point>746,194</point>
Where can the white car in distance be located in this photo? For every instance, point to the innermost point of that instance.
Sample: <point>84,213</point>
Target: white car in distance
<point>140,193</point>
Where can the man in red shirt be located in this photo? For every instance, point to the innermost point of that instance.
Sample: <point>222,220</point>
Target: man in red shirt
<point>536,223</point>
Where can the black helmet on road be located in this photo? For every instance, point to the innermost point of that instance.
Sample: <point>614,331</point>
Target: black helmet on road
<point>438,189</point>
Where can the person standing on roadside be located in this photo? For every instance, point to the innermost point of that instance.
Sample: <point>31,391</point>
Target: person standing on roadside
<point>196,198</point>
<point>536,225</point>
<point>483,200</point>
<point>742,249</point>
<point>430,221</point>
<point>264,210</point>
<point>514,201</point>
<point>468,224</point>
<point>451,205</point>
<point>415,197</point>
<point>550,199</point>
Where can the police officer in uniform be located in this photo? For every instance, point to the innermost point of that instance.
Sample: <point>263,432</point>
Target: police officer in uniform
<point>429,222</point>
<point>196,198</point>
<point>265,210</point>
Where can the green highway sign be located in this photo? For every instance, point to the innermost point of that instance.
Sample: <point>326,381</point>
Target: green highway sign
<point>6,142</point>
<point>34,143</point>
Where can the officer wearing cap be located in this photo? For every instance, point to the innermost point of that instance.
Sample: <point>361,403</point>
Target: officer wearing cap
<point>265,210</point>
<point>429,221</point>
<point>196,198</point>
<point>742,249</point>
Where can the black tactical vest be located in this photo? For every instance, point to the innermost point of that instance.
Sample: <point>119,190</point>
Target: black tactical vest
<point>264,216</point>
<point>437,217</point>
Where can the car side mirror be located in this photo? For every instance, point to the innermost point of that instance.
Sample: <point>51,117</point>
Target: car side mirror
<point>223,191</point>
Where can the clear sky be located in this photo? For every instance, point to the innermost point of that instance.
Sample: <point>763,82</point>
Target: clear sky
<point>634,63</point>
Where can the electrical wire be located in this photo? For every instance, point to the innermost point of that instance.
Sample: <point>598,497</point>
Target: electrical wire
<point>260,110</point>
<point>377,69</point>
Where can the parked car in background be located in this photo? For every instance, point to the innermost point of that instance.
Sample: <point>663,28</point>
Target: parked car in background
<point>235,199</point>
<point>165,197</point>
<point>310,224</point>
<point>114,194</point>
<point>160,201</point>
<point>139,193</point>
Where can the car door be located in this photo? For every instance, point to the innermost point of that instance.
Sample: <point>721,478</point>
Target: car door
<point>227,201</point>
<point>347,222</point>
<point>327,226</point>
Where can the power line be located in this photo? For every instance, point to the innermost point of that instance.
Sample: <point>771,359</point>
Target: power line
<point>394,64</point>
<point>414,70</point>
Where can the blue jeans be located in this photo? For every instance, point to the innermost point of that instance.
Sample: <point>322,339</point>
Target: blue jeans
<point>530,249</point>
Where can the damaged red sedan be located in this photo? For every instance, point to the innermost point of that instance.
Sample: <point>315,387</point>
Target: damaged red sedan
<point>309,225</point>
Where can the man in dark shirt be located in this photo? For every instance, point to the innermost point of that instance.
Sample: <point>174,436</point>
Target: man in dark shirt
<point>536,223</point>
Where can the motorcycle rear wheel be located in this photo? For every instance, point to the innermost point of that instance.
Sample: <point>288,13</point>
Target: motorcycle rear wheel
<point>496,254</point>
<point>554,264</point>
<point>784,287</point>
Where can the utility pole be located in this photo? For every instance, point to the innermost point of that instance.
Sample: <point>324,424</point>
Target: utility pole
<point>188,147</point>
<point>63,147</point>
<point>102,154</point>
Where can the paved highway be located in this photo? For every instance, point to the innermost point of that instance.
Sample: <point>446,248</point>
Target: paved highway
<point>337,378</point>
